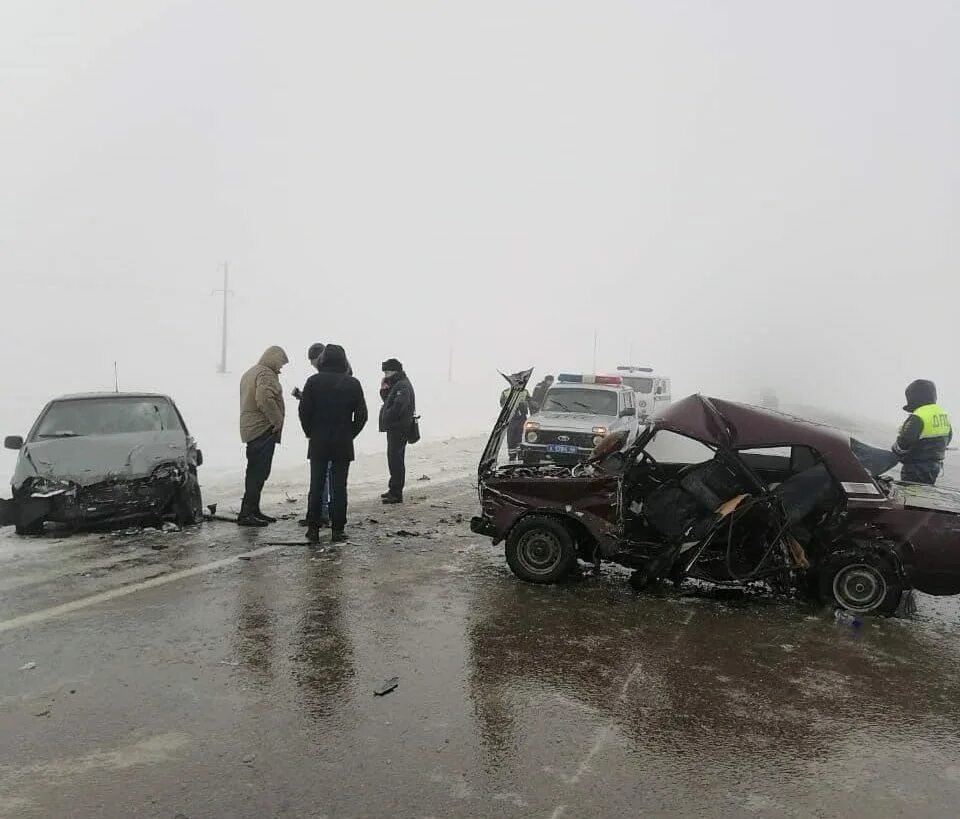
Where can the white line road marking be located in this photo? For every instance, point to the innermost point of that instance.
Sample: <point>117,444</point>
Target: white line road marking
<point>95,599</point>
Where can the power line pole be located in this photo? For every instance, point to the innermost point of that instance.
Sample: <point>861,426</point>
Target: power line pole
<point>594,352</point>
<point>226,291</point>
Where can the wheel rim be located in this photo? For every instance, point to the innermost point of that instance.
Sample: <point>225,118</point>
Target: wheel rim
<point>860,588</point>
<point>539,552</point>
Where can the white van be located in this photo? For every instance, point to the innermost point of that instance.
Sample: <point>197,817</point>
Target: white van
<point>653,391</point>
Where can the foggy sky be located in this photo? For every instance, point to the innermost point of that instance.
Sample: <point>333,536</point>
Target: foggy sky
<point>741,194</point>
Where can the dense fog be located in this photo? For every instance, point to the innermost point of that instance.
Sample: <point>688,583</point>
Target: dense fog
<point>747,196</point>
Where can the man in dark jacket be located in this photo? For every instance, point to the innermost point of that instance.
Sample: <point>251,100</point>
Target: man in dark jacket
<point>924,436</point>
<point>396,419</point>
<point>332,412</point>
<point>314,354</point>
<point>539,391</point>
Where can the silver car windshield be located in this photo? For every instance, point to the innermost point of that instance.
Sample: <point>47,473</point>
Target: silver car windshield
<point>106,416</point>
<point>583,401</point>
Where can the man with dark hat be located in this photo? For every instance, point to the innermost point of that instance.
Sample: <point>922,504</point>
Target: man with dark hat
<point>332,413</point>
<point>314,353</point>
<point>924,436</point>
<point>396,419</point>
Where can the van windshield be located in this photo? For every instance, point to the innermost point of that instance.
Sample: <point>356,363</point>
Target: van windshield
<point>80,417</point>
<point>583,401</point>
<point>638,384</point>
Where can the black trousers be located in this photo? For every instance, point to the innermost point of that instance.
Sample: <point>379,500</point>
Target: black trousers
<point>259,461</point>
<point>920,473</point>
<point>339,472</point>
<point>397,461</point>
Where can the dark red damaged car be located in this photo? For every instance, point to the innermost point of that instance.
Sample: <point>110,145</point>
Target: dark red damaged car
<point>732,495</point>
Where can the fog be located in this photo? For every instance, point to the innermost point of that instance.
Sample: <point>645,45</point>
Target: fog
<point>746,195</point>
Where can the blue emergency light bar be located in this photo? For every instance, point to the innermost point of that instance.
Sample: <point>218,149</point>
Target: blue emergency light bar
<point>570,378</point>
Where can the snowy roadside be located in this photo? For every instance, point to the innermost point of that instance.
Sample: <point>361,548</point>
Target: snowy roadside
<point>439,461</point>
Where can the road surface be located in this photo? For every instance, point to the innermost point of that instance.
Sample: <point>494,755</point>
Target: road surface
<point>220,673</point>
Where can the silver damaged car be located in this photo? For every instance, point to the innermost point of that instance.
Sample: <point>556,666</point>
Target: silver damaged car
<point>104,459</point>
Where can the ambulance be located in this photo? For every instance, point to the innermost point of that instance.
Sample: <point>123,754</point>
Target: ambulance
<point>653,390</point>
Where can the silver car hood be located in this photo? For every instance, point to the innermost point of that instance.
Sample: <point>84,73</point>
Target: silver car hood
<point>91,459</point>
<point>573,421</point>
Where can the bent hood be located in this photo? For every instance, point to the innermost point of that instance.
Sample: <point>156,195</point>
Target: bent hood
<point>93,459</point>
<point>518,387</point>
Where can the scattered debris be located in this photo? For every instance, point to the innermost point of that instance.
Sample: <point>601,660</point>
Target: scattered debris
<point>244,557</point>
<point>290,498</point>
<point>212,509</point>
<point>249,759</point>
<point>231,663</point>
<point>170,527</point>
<point>424,478</point>
<point>159,547</point>
<point>406,533</point>
<point>386,687</point>
<point>44,713</point>
<point>28,667</point>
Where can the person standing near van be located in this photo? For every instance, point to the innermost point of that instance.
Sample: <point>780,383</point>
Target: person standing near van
<point>396,419</point>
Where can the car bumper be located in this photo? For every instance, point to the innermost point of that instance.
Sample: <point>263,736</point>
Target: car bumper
<point>108,502</point>
<point>538,452</point>
<point>483,526</point>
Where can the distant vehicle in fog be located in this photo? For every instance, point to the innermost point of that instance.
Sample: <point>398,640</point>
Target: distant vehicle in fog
<point>653,391</point>
<point>104,458</point>
<point>578,413</point>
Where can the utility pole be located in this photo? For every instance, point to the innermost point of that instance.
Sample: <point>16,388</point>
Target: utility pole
<point>226,291</point>
<point>594,352</point>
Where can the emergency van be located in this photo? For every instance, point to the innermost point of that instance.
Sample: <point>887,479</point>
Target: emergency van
<point>653,390</point>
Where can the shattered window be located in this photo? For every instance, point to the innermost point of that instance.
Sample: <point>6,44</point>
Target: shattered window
<point>671,448</point>
<point>107,416</point>
<point>582,401</point>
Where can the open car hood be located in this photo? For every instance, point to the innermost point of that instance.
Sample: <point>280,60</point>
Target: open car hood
<point>518,383</point>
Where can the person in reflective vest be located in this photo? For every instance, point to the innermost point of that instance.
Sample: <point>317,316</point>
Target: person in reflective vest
<point>924,436</point>
<point>515,425</point>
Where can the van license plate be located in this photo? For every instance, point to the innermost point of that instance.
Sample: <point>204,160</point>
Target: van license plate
<point>561,449</point>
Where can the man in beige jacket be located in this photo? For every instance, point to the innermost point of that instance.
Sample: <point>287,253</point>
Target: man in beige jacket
<point>261,425</point>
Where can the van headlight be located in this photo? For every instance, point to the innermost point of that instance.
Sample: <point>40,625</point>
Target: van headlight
<point>532,437</point>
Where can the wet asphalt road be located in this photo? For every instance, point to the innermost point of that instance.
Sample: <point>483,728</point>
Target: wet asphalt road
<point>209,686</point>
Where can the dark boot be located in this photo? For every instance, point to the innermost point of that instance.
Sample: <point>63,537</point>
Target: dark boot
<point>313,534</point>
<point>338,537</point>
<point>387,494</point>
<point>246,519</point>
<point>392,500</point>
<point>267,518</point>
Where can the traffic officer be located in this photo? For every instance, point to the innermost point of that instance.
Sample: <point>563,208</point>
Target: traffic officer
<point>924,436</point>
<point>515,424</point>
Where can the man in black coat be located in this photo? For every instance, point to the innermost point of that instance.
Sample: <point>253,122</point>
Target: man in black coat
<point>332,412</point>
<point>396,419</point>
